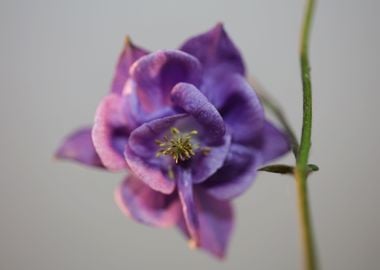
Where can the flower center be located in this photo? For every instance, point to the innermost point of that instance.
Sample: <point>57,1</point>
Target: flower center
<point>179,146</point>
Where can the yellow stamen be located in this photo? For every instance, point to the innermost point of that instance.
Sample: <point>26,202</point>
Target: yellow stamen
<point>179,146</point>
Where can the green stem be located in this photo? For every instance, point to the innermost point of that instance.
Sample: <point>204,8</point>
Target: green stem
<point>306,84</point>
<point>300,172</point>
<point>306,231</point>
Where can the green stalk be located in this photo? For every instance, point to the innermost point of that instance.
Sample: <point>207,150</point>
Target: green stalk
<point>306,84</point>
<point>300,173</point>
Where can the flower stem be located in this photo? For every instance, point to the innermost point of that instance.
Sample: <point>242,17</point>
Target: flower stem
<point>306,84</point>
<point>300,172</point>
<point>306,232</point>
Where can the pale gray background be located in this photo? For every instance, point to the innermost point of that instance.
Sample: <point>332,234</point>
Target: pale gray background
<point>56,63</point>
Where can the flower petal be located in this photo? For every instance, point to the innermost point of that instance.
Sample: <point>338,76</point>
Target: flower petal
<point>154,76</point>
<point>205,165</point>
<point>128,56</point>
<point>142,143</point>
<point>216,222</point>
<point>213,133</point>
<point>185,191</point>
<point>152,174</point>
<point>143,139</point>
<point>272,143</point>
<point>110,132</point>
<point>78,146</point>
<point>192,101</point>
<point>215,50</point>
<point>238,104</point>
<point>236,175</point>
<point>146,205</point>
<point>140,154</point>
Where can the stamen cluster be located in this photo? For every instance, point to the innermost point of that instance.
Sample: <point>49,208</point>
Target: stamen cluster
<point>179,146</point>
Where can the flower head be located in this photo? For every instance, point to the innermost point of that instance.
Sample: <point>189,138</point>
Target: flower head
<point>189,129</point>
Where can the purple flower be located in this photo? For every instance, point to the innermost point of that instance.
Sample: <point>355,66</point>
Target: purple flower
<point>189,129</point>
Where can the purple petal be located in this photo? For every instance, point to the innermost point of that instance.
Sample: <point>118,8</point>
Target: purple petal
<point>152,174</point>
<point>185,191</point>
<point>216,222</point>
<point>142,142</point>
<point>272,143</point>
<point>146,205</point>
<point>78,146</point>
<point>237,103</point>
<point>205,165</point>
<point>134,110</point>
<point>192,101</point>
<point>236,175</point>
<point>140,153</point>
<point>215,50</point>
<point>143,139</point>
<point>128,56</point>
<point>110,132</point>
<point>155,75</point>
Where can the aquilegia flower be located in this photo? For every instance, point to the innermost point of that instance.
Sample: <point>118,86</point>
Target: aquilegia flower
<point>190,131</point>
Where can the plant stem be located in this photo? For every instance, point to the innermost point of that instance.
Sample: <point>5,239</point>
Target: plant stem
<point>300,173</point>
<point>306,231</point>
<point>306,85</point>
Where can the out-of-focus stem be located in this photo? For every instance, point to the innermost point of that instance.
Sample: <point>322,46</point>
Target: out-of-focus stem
<point>306,231</point>
<point>300,171</point>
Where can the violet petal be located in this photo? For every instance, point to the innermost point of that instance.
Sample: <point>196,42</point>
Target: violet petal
<point>152,174</point>
<point>205,165</point>
<point>192,101</point>
<point>272,142</point>
<point>140,153</point>
<point>142,142</point>
<point>154,76</point>
<point>216,222</point>
<point>143,139</point>
<point>185,191</point>
<point>78,146</point>
<point>237,103</point>
<point>215,50</point>
<point>236,175</point>
<point>128,56</point>
<point>146,205</point>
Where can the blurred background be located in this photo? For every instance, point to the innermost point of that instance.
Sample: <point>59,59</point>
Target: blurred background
<point>56,62</point>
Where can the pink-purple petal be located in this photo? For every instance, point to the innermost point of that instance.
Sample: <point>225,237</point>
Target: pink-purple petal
<point>236,175</point>
<point>146,205</point>
<point>215,50</point>
<point>185,192</point>
<point>110,132</point>
<point>128,56</point>
<point>155,75</point>
<point>78,146</point>
<point>151,173</point>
